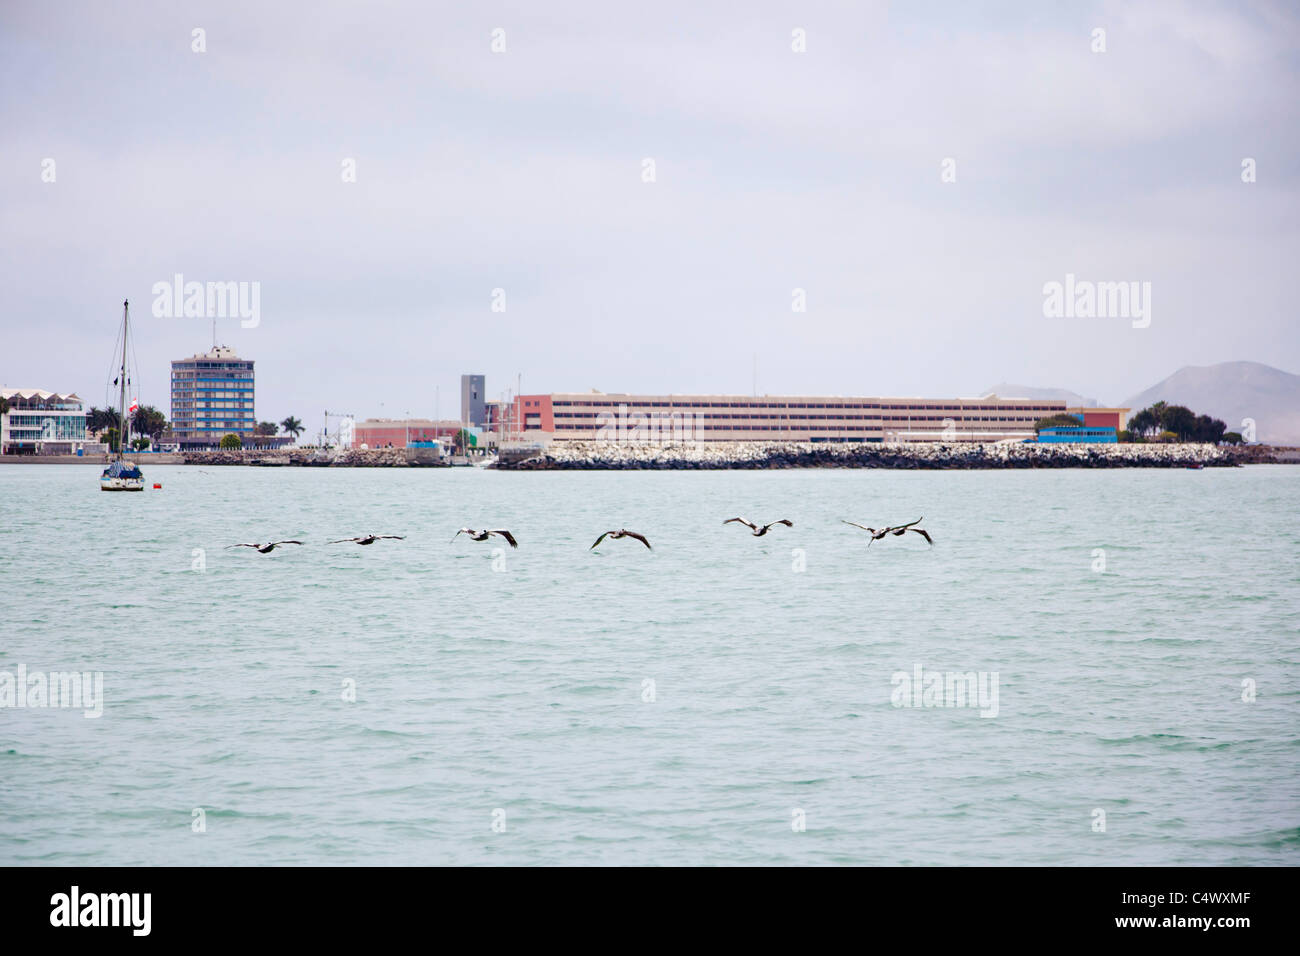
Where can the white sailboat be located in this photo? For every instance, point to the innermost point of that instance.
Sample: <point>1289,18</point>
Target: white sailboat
<point>122,475</point>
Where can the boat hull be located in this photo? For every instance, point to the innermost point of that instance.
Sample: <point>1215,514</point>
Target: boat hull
<point>121,484</point>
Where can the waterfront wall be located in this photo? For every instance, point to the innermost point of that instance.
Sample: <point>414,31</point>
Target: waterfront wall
<point>721,455</point>
<point>947,455</point>
<point>156,458</point>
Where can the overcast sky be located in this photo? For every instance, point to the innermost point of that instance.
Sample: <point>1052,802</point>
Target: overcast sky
<point>524,171</point>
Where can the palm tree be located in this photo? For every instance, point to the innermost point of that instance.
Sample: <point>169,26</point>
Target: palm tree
<point>98,419</point>
<point>147,420</point>
<point>292,427</point>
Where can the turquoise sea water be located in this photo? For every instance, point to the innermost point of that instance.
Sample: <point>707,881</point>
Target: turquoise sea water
<point>523,687</point>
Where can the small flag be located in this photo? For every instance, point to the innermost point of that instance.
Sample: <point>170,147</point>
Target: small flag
<point>135,405</point>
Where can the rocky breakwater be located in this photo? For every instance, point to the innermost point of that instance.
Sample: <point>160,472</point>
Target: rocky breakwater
<point>350,458</point>
<point>594,455</point>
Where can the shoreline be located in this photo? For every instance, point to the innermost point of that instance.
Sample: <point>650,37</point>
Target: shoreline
<point>607,456</point>
<point>721,456</point>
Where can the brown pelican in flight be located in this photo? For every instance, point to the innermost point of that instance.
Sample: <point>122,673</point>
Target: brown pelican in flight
<point>368,538</point>
<point>263,548</point>
<point>759,532</point>
<point>877,534</point>
<point>484,535</point>
<point>622,533</point>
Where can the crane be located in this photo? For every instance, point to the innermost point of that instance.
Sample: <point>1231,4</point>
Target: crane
<point>345,432</point>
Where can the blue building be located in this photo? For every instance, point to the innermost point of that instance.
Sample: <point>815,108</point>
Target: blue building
<point>1081,434</point>
<point>212,396</point>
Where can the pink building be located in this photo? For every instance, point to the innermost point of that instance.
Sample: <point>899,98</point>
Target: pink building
<point>399,432</point>
<point>626,417</point>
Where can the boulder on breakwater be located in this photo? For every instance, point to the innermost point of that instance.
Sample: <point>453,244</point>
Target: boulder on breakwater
<point>596,455</point>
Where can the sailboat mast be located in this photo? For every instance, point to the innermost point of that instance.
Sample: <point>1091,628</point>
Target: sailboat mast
<point>124,433</point>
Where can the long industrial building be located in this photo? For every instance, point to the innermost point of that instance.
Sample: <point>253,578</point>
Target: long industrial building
<point>623,417</point>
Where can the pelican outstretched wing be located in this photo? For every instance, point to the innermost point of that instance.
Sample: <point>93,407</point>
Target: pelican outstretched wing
<point>639,537</point>
<point>286,542</point>
<point>923,533</point>
<point>747,523</point>
<point>228,547</point>
<point>785,521</point>
<point>601,538</point>
<point>342,540</point>
<point>507,535</point>
<point>862,526</point>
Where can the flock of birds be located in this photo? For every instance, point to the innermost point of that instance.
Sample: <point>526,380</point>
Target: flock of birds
<point>757,530</point>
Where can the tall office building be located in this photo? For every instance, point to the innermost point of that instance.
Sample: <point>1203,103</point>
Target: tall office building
<point>212,396</point>
<point>472,410</point>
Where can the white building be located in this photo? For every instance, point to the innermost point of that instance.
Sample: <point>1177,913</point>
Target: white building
<point>42,423</point>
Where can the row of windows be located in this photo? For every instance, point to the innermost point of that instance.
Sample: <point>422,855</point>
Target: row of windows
<point>19,418</point>
<point>207,394</point>
<point>757,428</point>
<point>214,413</point>
<point>212,385</point>
<point>190,370</point>
<point>233,381</point>
<point>214,422</point>
<point>782,405</point>
<point>35,427</point>
<point>218,427</point>
<point>228,403</point>
<point>36,405</point>
<point>207,384</point>
<point>972,419</point>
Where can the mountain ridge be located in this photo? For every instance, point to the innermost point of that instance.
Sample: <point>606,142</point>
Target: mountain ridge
<point>1236,392</point>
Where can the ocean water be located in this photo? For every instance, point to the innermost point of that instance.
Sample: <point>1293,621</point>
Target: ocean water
<point>722,699</point>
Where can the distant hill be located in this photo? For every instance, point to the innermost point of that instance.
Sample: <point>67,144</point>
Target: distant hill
<point>1233,391</point>
<point>1006,390</point>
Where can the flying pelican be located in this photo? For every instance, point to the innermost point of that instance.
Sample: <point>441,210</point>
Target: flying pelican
<point>263,548</point>
<point>368,538</point>
<point>622,533</point>
<point>759,532</point>
<point>896,531</point>
<point>484,535</point>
